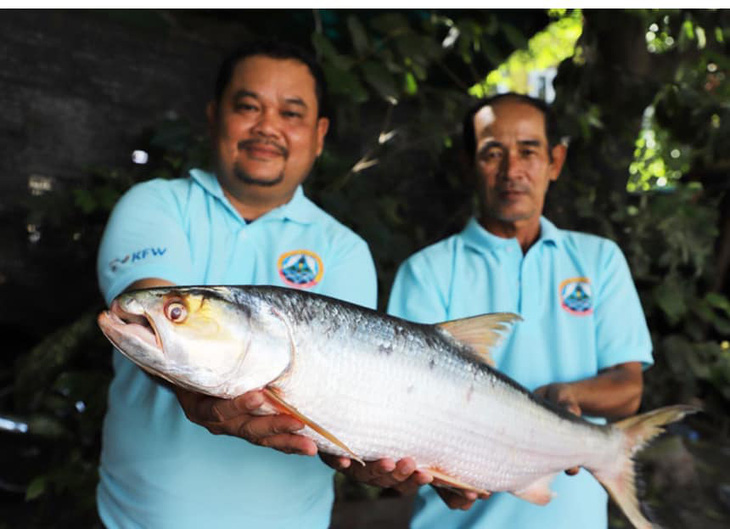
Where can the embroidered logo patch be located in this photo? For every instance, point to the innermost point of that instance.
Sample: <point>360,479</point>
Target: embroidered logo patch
<point>300,268</point>
<point>576,296</point>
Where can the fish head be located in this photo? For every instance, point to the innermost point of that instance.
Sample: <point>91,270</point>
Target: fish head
<point>197,338</point>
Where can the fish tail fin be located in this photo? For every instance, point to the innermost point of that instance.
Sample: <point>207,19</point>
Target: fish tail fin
<point>620,479</point>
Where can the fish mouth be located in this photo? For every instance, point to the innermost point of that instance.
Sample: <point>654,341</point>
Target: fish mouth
<point>120,326</point>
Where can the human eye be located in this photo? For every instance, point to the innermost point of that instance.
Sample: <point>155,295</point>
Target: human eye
<point>245,106</point>
<point>292,114</point>
<point>492,154</point>
<point>527,152</point>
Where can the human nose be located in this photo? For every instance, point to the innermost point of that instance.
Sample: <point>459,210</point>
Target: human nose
<point>267,124</point>
<point>511,165</point>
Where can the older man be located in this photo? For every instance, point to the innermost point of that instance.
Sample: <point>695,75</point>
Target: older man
<point>246,222</point>
<point>584,339</point>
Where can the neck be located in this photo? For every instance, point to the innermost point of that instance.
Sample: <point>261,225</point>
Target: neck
<point>253,205</point>
<point>525,231</point>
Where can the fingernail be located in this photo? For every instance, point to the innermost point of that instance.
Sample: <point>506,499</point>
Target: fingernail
<point>251,402</point>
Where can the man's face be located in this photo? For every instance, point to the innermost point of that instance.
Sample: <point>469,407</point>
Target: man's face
<point>512,161</point>
<point>265,128</point>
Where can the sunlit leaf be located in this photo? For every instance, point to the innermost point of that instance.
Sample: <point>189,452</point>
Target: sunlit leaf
<point>411,86</point>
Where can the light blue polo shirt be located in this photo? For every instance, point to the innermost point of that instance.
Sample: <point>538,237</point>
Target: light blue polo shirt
<point>581,314</point>
<point>158,469</point>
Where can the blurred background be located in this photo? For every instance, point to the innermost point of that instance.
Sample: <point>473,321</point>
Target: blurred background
<point>94,101</point>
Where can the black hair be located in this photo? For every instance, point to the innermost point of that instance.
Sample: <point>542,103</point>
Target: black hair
<point>551,122</point>
<point>274,49</point>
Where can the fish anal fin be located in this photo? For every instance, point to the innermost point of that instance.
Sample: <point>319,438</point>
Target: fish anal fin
<point>441,479</point>
<point>480,333</point>
<point>291,410</point>
<point>538,492</point>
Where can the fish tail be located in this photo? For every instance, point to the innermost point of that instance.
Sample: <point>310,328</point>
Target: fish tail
<point>620,479</point>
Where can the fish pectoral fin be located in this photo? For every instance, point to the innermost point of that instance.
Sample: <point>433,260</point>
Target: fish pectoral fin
<point>539,491</point>
<point>287,408</point>
<point>440,479</point>
<point>481,333</point>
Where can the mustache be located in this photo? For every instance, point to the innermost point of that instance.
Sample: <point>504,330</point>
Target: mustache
<point>513,187</point>
<point>244,144</point>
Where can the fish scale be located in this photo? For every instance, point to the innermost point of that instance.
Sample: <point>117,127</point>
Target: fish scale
<point>369,386</point>
<point>371,433</point>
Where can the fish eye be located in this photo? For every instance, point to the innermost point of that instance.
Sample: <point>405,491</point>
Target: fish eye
<point>176,311</point>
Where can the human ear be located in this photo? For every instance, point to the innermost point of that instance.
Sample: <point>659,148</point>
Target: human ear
<point>323,125</point>
<point>559,153</point>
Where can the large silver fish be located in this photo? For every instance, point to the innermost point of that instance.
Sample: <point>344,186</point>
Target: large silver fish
<point>370,386</point>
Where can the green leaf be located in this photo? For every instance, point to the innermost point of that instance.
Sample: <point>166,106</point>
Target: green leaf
<point>718,301</point>
<point>381,79</point>
<point>419,71</point>
<point>84,200</point>
<point>514,36</point>
<point>411,86</point>
<point>358,35</point>
<point>670,298</point>
<point>390,23</point>
<point>36,488</point>
<point>419,49</point>
<point>346,83</point>
<point>492,52</point>
<point>722,326</point>
<point>329,53</point>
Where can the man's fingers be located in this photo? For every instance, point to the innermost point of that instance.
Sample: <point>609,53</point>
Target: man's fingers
<point>376,472</point>
<point>461,500</point>
<point>221,410</point>
<point>337,462</point>
<point>253,428</point>
<point>404,468</point>
<point>572,471</point>
<point>291,444</point>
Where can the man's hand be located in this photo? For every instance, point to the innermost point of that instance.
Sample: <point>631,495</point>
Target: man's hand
<point>402,476</point>
<point>459,499</point>
<point>237,417</point>
<point>562,394</point>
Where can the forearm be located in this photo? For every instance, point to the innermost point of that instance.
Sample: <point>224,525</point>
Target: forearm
<point>613,393</point>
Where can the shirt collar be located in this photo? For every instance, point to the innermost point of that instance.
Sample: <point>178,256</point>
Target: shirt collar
<point>477,237</point>
<point>298,209</point>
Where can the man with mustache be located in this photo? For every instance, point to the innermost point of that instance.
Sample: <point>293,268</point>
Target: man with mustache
<point>245,222</point>
<point>584,339</point>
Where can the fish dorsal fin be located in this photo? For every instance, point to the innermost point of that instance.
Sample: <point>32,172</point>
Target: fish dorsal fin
<point>291,410</point>
<point>481,333</point>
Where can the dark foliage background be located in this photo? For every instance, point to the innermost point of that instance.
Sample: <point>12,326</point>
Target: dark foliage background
<point>391,170</point>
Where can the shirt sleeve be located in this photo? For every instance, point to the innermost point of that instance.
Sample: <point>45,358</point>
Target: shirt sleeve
<point>622,334</point>
<point>351,275</point>
<point>144,238</point>
<point>415,295</point>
